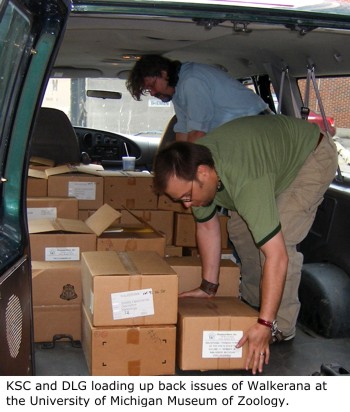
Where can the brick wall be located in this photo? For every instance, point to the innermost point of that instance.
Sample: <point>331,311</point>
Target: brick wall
<point>335,95</point>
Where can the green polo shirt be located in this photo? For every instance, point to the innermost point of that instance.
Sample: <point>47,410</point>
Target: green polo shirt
<point>257,158</point>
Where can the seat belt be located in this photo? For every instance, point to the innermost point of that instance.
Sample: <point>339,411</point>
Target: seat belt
<point>284,76</point>
<point>311,78</point>
<point>305,110</point>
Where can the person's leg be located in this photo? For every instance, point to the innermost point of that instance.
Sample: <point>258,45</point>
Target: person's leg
<point>297,209</point>
<point>249,257</point>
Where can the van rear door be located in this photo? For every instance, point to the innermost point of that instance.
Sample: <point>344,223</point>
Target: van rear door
<point>30,32</point>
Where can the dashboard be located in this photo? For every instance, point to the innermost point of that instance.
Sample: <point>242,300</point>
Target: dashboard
<point>108,148</point>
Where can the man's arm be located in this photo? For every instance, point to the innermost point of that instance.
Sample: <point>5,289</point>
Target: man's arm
<point>272,285</point>
<point>273,277</point>
<point>189,137</point>
<point>209,244</point>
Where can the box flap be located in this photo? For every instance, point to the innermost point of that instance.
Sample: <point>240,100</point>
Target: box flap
<point>150,263</point>
<point>38,174</point>
<point>90,169</point>
<point>68,168</point>
<point>96,223</point>
<point>214,307</point>
<point>41,161</point>
<point>58,170</point>
<point>58,225</point>
<point>102,219</point>
<point>63,169</point>
<point>143,221</point>
<point>105,263</point>
<point>42,226</point>
<point>50,171</point>
<point>93,169</point>
<point>121,173</point>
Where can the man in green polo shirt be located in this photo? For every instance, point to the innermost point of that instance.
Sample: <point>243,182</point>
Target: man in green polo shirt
<point>271,173</point>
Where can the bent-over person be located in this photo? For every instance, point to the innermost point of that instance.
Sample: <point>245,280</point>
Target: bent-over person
<point>270,173</point>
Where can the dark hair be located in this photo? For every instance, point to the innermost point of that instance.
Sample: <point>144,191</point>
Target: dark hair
<point>151,65</point>
<point>180,159</point>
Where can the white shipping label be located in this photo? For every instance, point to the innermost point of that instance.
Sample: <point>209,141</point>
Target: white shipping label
<point>132,304</point>
<point>41,213</point>
<point>61,253</point>
<point>221,344</point>
<point>82,190</point>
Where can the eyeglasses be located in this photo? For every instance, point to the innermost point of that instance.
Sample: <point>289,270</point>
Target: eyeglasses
<point>187,198</point>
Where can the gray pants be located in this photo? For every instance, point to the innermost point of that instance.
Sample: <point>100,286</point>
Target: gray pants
<point>297,208</point>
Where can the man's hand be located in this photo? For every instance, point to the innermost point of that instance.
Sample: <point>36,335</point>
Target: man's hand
<point>195,293</point>
<point>272,284</point>
<point>258,338</point>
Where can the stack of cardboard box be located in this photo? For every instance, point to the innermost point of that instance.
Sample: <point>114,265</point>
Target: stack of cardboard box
<point>208,331</point>
<point>57,298</point>
<point>130,313</point>
<point>128,245</point>
<point>57,244</point>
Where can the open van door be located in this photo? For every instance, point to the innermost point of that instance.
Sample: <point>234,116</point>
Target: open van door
<point>30,33</point>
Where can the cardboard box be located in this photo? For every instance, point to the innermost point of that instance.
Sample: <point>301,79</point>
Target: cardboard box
<point>129,288</point>
<point>133,192</point>
<point>40,163</point>
<point>66,239</point>
<point>87,189</point>
<point>161,220</point>
<point>56,283</point>
<point>189,270</point>
<point>52,208</point>
<point>173,251</point>
<point>185,230</point>
<point>36,187</point>
<point>56,247</point>
<point>57,320</point>
<point>84,214</point>
<point>129,351</point>
<point>209,329</point>
<point>165,203</point>
<point>132,238</point>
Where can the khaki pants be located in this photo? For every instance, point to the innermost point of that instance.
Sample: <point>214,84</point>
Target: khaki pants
<point>297,208</point>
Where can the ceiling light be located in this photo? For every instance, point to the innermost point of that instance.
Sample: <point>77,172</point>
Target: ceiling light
<point>130,57</point>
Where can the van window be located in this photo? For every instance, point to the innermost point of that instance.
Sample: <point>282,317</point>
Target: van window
<point>14,32</point>
<point>335,99</point>
<point>126,116</point>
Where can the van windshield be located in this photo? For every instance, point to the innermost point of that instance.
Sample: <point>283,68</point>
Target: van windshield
<point>125,116</point>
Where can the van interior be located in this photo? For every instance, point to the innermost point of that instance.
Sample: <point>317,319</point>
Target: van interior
<point>296,57</point>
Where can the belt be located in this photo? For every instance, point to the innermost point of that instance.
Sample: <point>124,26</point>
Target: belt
<point>319,140</point>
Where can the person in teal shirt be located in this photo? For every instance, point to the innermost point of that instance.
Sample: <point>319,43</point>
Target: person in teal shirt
<point>270,173</point>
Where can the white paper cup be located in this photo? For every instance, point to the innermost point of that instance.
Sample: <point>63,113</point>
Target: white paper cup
<point>129,162</point>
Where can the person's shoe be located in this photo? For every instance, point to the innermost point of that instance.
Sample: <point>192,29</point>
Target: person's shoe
<point>280,337</point>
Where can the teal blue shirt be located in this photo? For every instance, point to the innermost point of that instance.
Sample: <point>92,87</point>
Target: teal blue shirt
<point>257,158</point>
